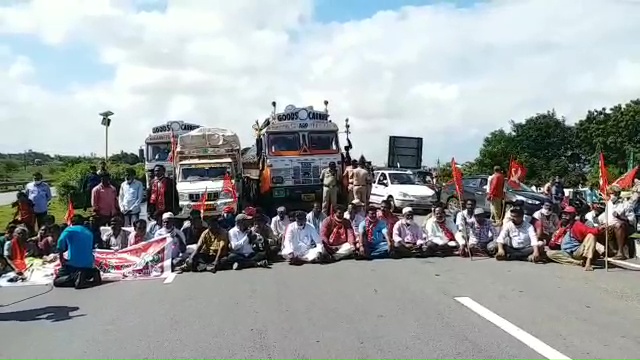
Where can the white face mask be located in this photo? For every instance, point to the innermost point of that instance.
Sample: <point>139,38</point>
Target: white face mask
<point>37,182</point>
<point>546,212</point>
<point>408,221</point>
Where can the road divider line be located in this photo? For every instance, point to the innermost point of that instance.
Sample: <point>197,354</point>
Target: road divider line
<point>531,341</point>
<point>170,278</point>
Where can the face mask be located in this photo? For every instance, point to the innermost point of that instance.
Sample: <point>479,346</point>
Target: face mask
<point>37,182</point>
<point>409,221</point>
<point>546,212</point>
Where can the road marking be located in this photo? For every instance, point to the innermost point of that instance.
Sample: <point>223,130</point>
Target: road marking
<point>526,338</point>
<point>170,278</point>
<point>625,264</point>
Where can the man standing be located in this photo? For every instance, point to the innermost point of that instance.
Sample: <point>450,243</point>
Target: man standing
<point>495,194</point>
<point>361,179</point>
<point>162,194</point>
<point>348,178</point>
<point>39,193</point>
<point>104,200</point>
<point>621,219</point>
<point>329,178</point>
<point>130,198</point>
<point>315,217</point>
<point>92,180</point>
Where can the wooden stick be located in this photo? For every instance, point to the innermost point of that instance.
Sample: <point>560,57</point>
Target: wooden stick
<point>606,236</point>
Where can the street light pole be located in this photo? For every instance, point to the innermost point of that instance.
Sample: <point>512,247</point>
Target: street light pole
<point>106,122</point>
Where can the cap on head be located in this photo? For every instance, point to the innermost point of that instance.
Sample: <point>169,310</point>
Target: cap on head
<point>407,210</point>
<point>282,209</point>
<point>569,210</point>
<point>478,211</point>
<point>167,216</point>
<point>242,217</point>
<point>228,210</point>
<point>250,211</point>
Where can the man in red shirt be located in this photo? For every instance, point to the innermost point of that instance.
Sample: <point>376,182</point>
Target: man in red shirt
<point>104,200</point>
<point>495,195</point>
<point>577,241</point>
<point>337,235</point>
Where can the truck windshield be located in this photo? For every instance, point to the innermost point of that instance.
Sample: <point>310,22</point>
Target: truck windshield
<point>323,141</point>
<point>284,142</point>
<point>203,172</point>
<point>158,151</point>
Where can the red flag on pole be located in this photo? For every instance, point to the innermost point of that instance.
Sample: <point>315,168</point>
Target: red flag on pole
<point>202,204</point>
<point>457,178</point>
<point>604,177</point>
<point>626,181</point>
<point>70,212</point>
<point>228,187</point>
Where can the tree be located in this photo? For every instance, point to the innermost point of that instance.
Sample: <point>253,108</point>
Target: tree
<point>10,166</point>
<point>125,158</point>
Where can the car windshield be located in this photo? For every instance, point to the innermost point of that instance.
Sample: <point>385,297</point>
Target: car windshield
<point>284,142</point>
<point>203,172</point>
<point>402,179</point>
<point>516,186</point>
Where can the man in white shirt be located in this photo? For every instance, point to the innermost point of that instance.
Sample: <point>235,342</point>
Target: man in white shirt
<point>595,217</point>
<point>178,241</point>
<point>518,240</point>
<point>301,242</point>
<point>315,217</point>
<point>440,230</point>
<point>408,237</point>
<point>355,213</point>
<point>243,246</point>
<point>280,222</point>
<point>621,219</point>
<point>130,198</point>
<point>465,217</point>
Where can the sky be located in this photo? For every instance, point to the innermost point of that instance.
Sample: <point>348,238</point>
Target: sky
<point>447,71</point>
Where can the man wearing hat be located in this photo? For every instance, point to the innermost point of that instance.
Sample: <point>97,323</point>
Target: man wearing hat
<point>480,233</point>
<point>178,240</point>
<point>280,222</point>
<point>355,213</point>
<point>408,237</point>
<point>577,241</point>
<point>245,251</point>
<point>301,242</point>
<point>621,219</point>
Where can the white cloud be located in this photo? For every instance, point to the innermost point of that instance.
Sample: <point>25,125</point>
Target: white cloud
<point>449,75</point>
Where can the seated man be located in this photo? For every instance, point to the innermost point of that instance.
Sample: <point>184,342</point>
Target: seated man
<point>595,217</point>
<point>466,216</point>
<point>4,238</point>
<point>261,228</point>
<point>139,233</point>
<point>390,219</point>
<point>301,242</point>
<point>621,220</point>
<point>578,242</point>
<point>356,214</point>
<point>480,233</point>
<point>228,218</point>
<point>315,217</point>
<point>280,222</point>
<point>211,251</point>
<point>408,237</point>
<point>518,240</point>
<point>178,242</point>
<point>116,238</point>
<point>77,265</point>
<point>373,241</point>
<point>193,227</point>
<point>337,236</point>
<point>15,252</point>
<point>546,222</point>
<point>242,243</point>
<point>516,204</point>
<point>440,231</point>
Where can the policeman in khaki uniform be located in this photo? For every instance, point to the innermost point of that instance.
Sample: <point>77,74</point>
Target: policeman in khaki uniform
<point>330,181</point>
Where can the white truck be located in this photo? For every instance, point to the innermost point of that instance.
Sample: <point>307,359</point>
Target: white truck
<point>203,157</point>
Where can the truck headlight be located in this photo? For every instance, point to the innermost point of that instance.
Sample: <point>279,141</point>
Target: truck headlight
<point>183,197</point>
<point>277,180</point>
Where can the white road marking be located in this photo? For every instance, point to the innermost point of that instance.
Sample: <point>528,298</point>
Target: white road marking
<point>625,264</point>
<point>170,278</point>
<point>526,338</point>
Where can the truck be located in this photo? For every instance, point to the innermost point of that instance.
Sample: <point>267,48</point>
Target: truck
<point>205,157</point>
<point>292,148</point>
<point>158,144</point>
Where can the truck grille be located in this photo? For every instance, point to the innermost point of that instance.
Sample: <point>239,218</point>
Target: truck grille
<point>211,196</point>
<point>306,174</point>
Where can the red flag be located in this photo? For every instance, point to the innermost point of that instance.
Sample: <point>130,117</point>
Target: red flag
<point>516,174</point>
<point>70,212</point>
<point>457,178</point>
<point>202,204</point>
<point>626,181</point>
<point>174,148</point>
<point>228,187</point>
<point>604,177</point>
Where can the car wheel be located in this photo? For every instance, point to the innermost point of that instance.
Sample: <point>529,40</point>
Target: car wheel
<point>453,204</point>
<point>393,204</point>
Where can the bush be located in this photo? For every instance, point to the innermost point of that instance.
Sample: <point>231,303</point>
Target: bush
<point>71,180</point>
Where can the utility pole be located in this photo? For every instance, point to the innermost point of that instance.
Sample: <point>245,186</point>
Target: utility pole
<point>106,122</point>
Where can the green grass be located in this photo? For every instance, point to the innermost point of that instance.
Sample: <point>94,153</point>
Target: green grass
<point>56,208</point>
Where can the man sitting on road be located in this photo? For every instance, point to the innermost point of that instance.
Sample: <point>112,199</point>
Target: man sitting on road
<point>577,241</point>
<point>390,219</point>
<point>193,228</point>
<point>546,222</point>
<point>356,214</point>
<point>466,216</point>
<point>518,240</point>
<point>301,242</point>
<point>211,251</point>
<point>440,230</point>
<point>280,222</point>
<point>516,204</point>
<point>336,233</point>
<point>116,238</point>
<point>595,217</point>
<point>373,240</point>
<point>408,237</point>
<point>621,220</point>
<point>244,252</point>
<point>228,218</point>
<point>261,228</point>
<point>178,243</point>
<point>315,217</point>
<point>15,252</point>
<point>481,235</point>
<point>139,233</point>
<point>78,264</point>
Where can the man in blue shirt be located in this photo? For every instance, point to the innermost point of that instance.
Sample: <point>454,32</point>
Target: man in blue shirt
<point>39,193</point>
<point>372,237</point>
<point>78,264</point>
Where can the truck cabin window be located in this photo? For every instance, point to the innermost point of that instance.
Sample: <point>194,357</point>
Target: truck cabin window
<point>402,179</point>
<point>158,152</point>
<point>323,141</point>
<point>201,173</point>
<point>284,142</point>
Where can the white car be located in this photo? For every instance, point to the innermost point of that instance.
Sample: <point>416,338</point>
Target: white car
<point>401,188</point>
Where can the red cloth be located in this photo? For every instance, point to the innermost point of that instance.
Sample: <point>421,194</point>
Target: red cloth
<point>579,231</point>
<point>25,212</point>
<point>336,232</point>
<point>104,199</point>
<point>158,190</point>
<point>496,187</point>
<point>447,232</point>
<point>18,255</point>
<point>370,226</point>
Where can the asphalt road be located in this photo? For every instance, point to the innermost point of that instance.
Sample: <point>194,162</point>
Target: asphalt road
<point>410,308</point>
<point>7,198</point>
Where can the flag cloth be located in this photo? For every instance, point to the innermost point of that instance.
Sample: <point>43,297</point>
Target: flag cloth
<point>202,204</point>
<point>456,173</point>
<point>604,177</point>
<point>70,212</point>
<point>174,148</point>
<point>228,187</point>
<point>517,171</point>
<point>626,181</point>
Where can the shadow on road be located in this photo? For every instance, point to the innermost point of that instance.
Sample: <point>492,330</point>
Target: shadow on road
<point>51,313</point>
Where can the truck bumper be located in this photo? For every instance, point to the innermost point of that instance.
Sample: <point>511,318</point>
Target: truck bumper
<point>212,208</point>
<point>299,197</point>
